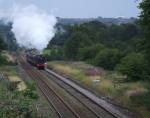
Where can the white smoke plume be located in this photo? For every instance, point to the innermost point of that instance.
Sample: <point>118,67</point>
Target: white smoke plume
<point>33,28</point>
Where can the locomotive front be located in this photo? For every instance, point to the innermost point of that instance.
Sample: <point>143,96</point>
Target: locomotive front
<point>40,61</point>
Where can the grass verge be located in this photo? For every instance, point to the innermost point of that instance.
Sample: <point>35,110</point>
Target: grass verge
<point>133,95</point>
<point>15,102</point>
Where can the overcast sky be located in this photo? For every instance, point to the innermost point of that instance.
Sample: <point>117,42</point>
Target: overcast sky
<point>81,8</point>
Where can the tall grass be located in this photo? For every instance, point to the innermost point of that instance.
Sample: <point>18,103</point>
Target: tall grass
<point>111,85</point>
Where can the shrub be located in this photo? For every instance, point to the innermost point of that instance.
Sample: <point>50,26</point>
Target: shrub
<point>134,65</point>
<point>74,43</point>
<point>53,53</point>
<point>90,52</point>
<point>2,60</point>
<point>108,58</point>
<point>30,91</point>
<point>143,100</point>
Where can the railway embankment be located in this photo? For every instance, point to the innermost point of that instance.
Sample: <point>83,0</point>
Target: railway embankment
<point>15,94</point>
<point>107,85</point>
<point>19,96</point>
<point>67,102</point>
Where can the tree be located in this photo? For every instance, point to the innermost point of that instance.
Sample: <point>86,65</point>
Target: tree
<point>53,53</point>
<point>2,47</point>
<point>8,36</point>
<point>108,58</point>
<point>134,65</point>
<point>145,21</point>
<point>90,52</point>
<point>76,41</point>
<point>2,44</point>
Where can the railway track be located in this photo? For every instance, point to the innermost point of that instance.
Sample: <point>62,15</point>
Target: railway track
<point>85,101</point>
<point>62,108</point>
<point>108,107</point>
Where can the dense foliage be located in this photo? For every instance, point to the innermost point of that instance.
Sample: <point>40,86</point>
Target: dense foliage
<point>17,103</point>
<point>105,45</point>
<point>2,47</point>
<point>2,44</point>
<point>7,41</point>
<point>90,52</point>
<point>53,53</point>
<point>134,65</point>
<point>7,36</point>
<point>145,21</point>
<point>108,58</point>
<point>120,47</point>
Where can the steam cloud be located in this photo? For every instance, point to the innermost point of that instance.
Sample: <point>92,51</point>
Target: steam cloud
<point>33,28</point>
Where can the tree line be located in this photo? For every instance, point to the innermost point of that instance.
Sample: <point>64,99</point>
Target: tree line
<point>7,40</point>
<point>124,48</point>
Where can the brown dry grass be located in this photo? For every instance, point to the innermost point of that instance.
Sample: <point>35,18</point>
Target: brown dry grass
<point>107,86</point>
<point>11,72</point>
<point>118,92</point>
<point>21,86</point>
<point>9,56</point>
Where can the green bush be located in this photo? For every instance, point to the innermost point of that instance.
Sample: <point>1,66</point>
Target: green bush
<point>143,99</point>
<point>145,22</point>
<point>30,92</point>
<point>18,104</point>
<point>134,65</point>
<point>74,43</point>
<point>53,53</point>
<point>3,60</point>
<point>108,58</point>
<point>2,44</point>
<point>89,52</point>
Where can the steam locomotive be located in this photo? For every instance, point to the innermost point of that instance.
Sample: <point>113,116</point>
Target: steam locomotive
<point>37,60</point>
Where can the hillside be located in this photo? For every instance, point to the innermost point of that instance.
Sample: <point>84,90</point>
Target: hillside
<point>108,21</point>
